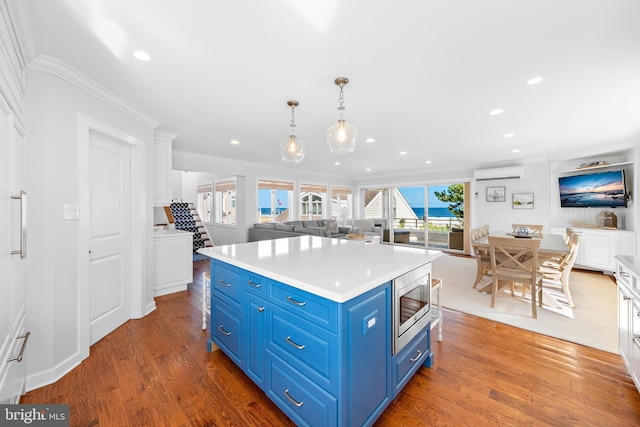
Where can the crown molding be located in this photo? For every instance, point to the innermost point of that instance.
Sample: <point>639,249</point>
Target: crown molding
<point>164,136</point>
<point>60,69</point>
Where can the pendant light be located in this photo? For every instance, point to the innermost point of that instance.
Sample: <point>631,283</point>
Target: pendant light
<point>292,148</point>
<point>342,137</point>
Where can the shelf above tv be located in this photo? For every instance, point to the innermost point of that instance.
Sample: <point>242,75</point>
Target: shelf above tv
<point>590,168</point>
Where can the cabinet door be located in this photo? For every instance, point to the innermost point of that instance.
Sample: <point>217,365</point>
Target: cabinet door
<point>634,369</point>
<point>624,327</point>
<point>12,260</point>
<point>597,251</point>
<point>255,338</point>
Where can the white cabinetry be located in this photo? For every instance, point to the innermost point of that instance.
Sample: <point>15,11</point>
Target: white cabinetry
<point>13,249</point>
<point>173,258</point>
<point>163,145</point>
<point>599,247</point>
<point>628,277</point>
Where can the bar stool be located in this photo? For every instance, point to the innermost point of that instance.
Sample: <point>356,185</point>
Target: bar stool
<point>436,317</point>
<point>206,297</point>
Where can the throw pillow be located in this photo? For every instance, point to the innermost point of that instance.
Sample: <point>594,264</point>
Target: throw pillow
<point>331,228</point>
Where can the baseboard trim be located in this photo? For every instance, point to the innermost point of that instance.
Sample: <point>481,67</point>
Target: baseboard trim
<point>49,377</point>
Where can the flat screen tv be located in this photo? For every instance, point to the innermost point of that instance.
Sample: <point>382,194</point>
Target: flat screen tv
<point>602,189</point>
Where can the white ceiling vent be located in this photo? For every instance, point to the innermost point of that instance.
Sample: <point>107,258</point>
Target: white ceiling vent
<point>509,172</point>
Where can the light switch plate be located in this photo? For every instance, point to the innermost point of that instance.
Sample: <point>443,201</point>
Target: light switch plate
<point>70,211</point>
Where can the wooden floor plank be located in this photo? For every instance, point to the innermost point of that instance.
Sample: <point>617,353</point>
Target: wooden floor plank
<point>156,371</point>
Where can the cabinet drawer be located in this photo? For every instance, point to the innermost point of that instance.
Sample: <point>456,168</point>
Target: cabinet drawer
<point>256,284</point>
<point>317,310</point>
<point>226,329</point>
<point>306,347</point>
<point>225,284</point>
<point>303,401</point>
<point>409,359</point>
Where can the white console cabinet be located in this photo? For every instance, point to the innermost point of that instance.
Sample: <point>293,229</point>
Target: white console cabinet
<point>599,247</point>
<point>173,258</point>
<point>628,278</point>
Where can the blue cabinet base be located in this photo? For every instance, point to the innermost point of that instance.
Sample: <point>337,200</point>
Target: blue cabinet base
<point>321,362</point>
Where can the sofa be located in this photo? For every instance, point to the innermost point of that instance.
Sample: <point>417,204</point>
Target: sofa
<point>323,227</point>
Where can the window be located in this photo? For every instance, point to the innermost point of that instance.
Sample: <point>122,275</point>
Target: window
<point>274,199</point>
<point>341,202</point>
<point>312,198</point>
<point>204,204</point>
<point>226,201</point>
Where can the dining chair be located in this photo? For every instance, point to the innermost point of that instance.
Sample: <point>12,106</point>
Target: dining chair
<point>516,261</point>
<point>535,230</point>
<point>483,261</point>
<point>556,274</point>
<point>474,233</point>
<point>484,230</point>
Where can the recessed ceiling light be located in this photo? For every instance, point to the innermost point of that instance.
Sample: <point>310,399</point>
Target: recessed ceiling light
<point>402,153</point>
<point>428,162</point>
<point>368,169</point>
<point>534,81</point>
<point>337,163</point>
<point>369,140</point>
<point>234,142</point>
<point>141,55</point>
<point>496,112</point>
<point>515,150</point>
<point>509,135</point>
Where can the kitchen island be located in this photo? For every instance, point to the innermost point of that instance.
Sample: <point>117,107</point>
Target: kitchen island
<point>309,320</point>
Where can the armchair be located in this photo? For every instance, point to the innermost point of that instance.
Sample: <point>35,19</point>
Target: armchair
<point>366,227</point>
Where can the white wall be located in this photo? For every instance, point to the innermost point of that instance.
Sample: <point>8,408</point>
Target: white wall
<point>53,107</point>
<point>500,215</point>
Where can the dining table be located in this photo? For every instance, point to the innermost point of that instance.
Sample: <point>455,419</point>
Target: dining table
<point>551,246</point>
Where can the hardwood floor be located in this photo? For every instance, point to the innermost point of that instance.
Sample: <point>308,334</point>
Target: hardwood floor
<point>156,371</point>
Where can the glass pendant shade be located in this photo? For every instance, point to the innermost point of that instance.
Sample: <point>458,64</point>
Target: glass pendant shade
<point>342,137</point>
<point>292,149</point>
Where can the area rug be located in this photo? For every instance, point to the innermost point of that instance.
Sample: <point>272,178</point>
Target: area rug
<point>593,322</point>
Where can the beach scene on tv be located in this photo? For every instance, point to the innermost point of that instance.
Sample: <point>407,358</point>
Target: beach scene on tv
<point>604,189</point>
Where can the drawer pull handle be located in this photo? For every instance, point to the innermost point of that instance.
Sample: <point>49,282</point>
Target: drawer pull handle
<point>298,346</point>
<point>291,300</point>
<point>417,357</point>
<point>18,358</point>
<point>624,274</point>
<point>223,331</point>
<point>298,404</point>
<point>223,283</point>
<point>260,309</point>
<point>626,298</point>
<point>255,285</point>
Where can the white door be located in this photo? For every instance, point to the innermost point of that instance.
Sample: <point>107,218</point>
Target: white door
<point>109,235</point>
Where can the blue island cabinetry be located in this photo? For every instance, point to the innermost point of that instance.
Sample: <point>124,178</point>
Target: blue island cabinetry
<point>321,362</point>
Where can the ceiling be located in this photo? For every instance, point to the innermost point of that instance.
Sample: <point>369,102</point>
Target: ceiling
<point>423,75</point>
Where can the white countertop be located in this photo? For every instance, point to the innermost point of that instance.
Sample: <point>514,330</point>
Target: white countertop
<point>336,269</point>
<point>631,262</point>
<point>172,233</point>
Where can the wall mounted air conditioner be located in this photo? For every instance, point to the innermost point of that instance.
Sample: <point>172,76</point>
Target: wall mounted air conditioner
<point>508,172</point>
